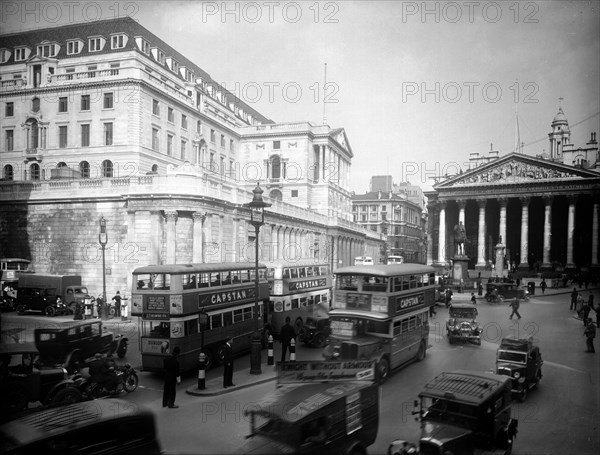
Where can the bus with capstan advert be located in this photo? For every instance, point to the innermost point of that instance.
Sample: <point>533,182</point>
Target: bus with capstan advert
<point>171,301</point>
<point>381,312</point>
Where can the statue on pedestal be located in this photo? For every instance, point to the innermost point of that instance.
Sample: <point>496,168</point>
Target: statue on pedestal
<point>460,236</point>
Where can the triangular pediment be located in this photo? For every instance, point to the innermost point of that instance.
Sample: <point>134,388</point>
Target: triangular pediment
<point>516,168</point>
<point>339,136</point>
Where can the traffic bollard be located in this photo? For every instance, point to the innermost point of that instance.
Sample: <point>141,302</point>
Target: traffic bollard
<point>202,372</point>
<point>293,350</point>
<point>270,360</point>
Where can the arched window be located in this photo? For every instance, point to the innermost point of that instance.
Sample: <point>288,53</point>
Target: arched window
<point>34,171</point>
<point>276,195</point>
<point>155,168</point>
<point>35,104</point>
<point>61,164</point>
<point>275,167</point>
<point>32,127</point>
<point>107,168</point>
<point>84,169</point>
<point>8,172</point>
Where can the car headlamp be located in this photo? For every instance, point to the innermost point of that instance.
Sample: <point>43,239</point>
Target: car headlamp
<point>516,375</point>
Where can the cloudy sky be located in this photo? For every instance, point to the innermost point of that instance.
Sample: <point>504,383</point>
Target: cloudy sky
<point>417,86</point>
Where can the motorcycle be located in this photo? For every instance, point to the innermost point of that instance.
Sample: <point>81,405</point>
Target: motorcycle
<point>90,389</point>
<point>493,298</point>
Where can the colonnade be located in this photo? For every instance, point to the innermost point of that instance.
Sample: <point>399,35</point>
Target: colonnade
<point>331,166</point>
<point>524,228</point>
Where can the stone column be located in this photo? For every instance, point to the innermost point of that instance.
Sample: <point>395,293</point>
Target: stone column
<point>155,236</point>
<point>571,230</point>
<point>502,231</point>
<point>595,233</point>
<point>481,234</point>
<point>547,231</point>
<point>442,234</point>
<point>322,163</point>
<point>198,237</point>
<point>524,233</point>
<point>171,216</point>
<point>274,242</point>
<point>235,247</point>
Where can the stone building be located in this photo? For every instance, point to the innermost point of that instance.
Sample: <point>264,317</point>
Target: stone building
<point>543,209</point>
<point>105,119</point>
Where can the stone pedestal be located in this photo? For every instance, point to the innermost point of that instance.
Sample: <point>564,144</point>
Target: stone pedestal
<point>500,259</point>
<point>460,268</point>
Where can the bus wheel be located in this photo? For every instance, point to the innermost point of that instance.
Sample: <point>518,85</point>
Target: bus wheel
<point>423,351</point>
<point>383,370</point>
<point>298,325</point>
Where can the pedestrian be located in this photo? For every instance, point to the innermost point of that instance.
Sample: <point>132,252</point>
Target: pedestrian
<point>286,336</point>
<point>585,310</point>
<point>100,304</point>
<point>117,300</point>
<point>473,299</point>
<point>448,297</point>
<point>480,289</point>
<point>590,334</point>
<point>515,308</point>
<point>228,364</point>
<point>579,307</point>
<point>573,299</point>
<point>543,285</point>
<point>172,378</point>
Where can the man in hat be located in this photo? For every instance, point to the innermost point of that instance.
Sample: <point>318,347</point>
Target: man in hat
<point>228,364</point>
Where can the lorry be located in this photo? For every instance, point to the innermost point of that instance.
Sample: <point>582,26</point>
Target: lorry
<point>67,287</point>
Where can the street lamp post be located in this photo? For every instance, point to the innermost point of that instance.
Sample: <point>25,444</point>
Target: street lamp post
<point>257,219</point>
<point>103,240</point>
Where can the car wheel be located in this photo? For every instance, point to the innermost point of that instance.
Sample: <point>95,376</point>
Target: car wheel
<point>319,341</point>
<point>422,351</point>
<point>220,356</point>
<point>21,309</point>
<point>67,395</point>
<point>50,311</point>
<point>383,370</point>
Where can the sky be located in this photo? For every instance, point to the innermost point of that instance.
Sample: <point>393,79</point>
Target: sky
<point>417,86</point>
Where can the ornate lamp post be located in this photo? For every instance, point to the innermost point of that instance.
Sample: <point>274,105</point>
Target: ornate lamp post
<point>103,240</point>
<point>257,219</point>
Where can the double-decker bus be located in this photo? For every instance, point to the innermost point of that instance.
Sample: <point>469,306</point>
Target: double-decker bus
<point>9,274</point>
<point>300,290</point>
<point>381,312</point>
<point>170,301</point>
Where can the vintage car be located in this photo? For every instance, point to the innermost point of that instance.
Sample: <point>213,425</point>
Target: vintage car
<point>462,325</point>
<point>39,300</point>
<point>101,427</point>
<point>72,344</point>
<point>463,412</point>
<point>522,361</point>
<point>505,291</point>
<point>24,379</point>
<point>315,331</point>
<point>315,415</point>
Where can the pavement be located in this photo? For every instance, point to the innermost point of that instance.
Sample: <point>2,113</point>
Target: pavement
<point>242,379</point>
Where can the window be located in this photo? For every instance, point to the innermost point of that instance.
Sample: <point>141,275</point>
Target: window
<point>10,140</point>
<point>212,136</point>
<point>47,50</point>
<point>231,145</point>
<point>198,126</point>
<point>117,41</point>
<point>108,100</point>
<point>73,47</point>
<point>107,169</point>
<point>155,107</point>
<point>155,139</point>
<point>222,140</point>
<point>85,102</point>
<point>9,110</point>
<point>85,135</point>
<point>62,136</point>
<point>144,46</point>
<point>170,115</point>
<point>294,193</point>
<point>34,171</point>
<point>95,44</point>
<point>20,54</point>
<point>84,168</point>
<point>108,134</point>
<point>63,104</point>
<point>222,164</point>
<point>8,173</point>
<point>183,149</point>
<point>276,145</point>
<point>4,55</point>
<point>169,144</point>
<point>184,122</point>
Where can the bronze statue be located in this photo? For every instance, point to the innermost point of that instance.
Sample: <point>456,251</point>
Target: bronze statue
<point>460,236</point>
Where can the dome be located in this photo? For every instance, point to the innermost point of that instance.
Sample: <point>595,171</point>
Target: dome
<point>560,117</point>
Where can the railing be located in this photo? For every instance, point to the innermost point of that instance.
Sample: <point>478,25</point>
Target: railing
<point>14,83</point>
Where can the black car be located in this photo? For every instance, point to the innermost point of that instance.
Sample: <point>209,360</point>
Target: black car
<point>521,360</point>
<point>24,379</point>
<point>38,299</point>
<point>315,332</point>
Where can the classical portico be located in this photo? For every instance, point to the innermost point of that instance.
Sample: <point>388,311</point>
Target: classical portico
<point>546,213</point>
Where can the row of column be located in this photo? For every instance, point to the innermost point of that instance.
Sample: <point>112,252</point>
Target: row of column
<point>332,167</point>
<point>524,229</point>
<point>35,134</point>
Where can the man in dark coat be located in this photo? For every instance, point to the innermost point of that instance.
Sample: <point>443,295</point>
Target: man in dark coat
<point>574,295</point>
<point>117,300</point>
<point>285,337</point>
<point>171,379</point>
<point>228,364</point>
<point>590,334</point>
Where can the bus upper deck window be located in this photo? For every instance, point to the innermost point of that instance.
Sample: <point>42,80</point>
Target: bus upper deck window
<point>294,273</point>
<point>286,273</point>
<point>302,272</point>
